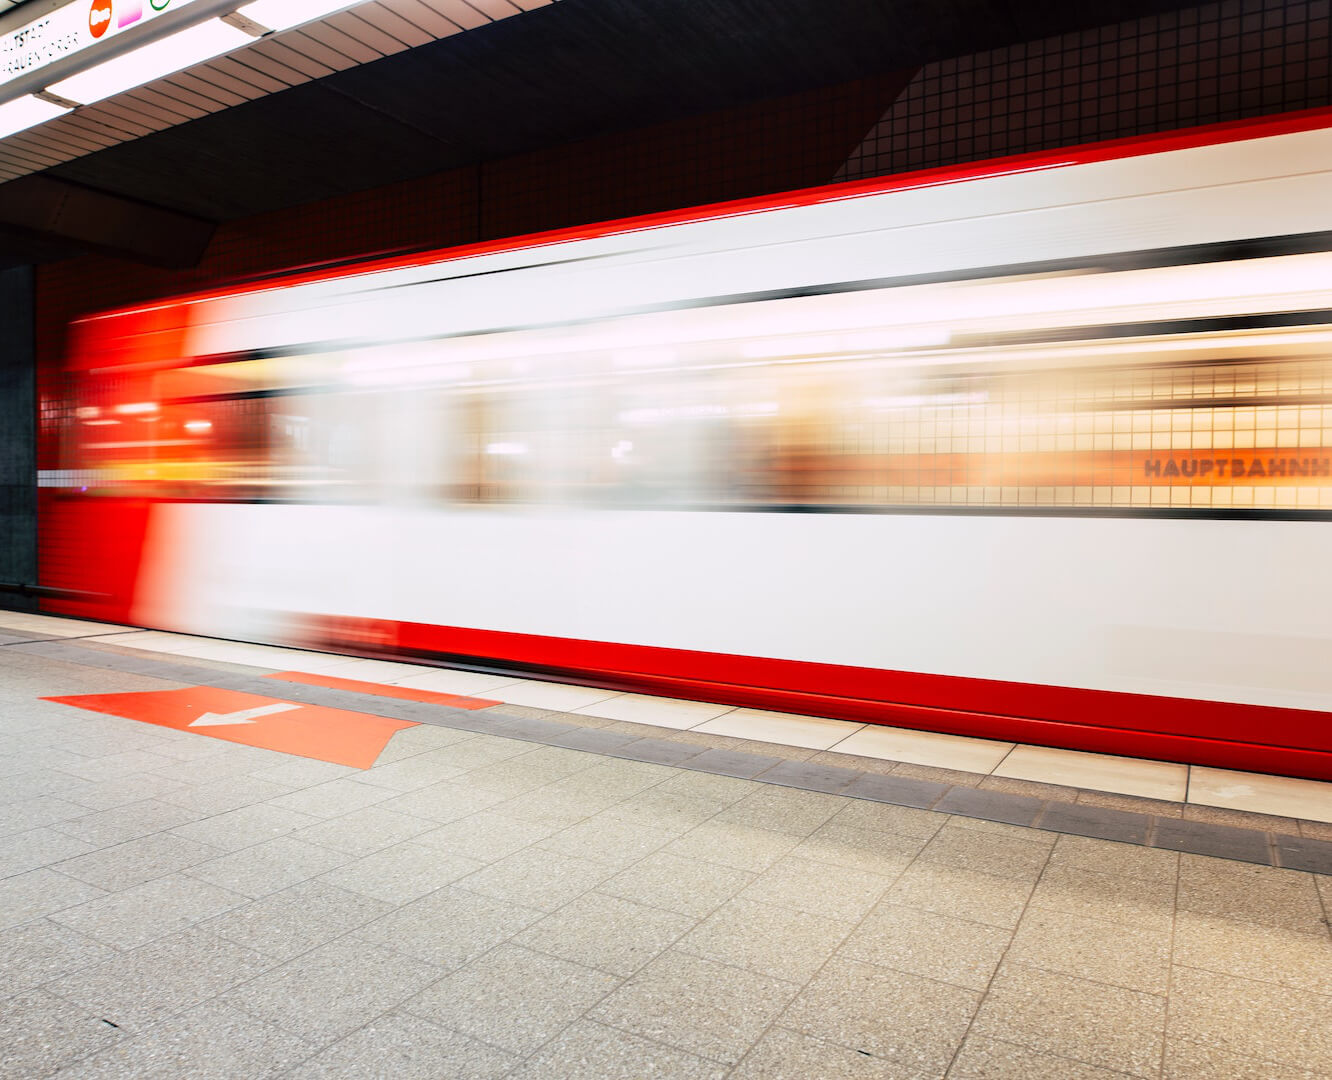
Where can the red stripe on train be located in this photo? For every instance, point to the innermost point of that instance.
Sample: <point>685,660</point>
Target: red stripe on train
<point>1261,738</point>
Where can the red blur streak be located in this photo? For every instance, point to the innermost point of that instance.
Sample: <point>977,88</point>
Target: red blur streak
<point>157,328</point>
<point>403,693</point>
<point>113,529</point>
<point>1294,742</point>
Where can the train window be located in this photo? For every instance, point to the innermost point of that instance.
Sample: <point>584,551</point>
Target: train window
<point>773,404</point>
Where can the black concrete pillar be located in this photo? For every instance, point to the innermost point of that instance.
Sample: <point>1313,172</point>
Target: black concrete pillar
<point>18,440</point>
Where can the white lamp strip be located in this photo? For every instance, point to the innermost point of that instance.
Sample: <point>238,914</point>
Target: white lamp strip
<point>165,56</point>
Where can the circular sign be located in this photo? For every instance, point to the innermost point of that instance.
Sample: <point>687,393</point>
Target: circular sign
<point>99,17</point>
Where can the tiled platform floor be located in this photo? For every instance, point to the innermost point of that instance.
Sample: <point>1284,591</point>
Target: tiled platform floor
<point>478,906</point>
<point>1008,766</point>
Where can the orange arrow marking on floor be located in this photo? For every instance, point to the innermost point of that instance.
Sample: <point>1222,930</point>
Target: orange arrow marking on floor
<point>312,731</point>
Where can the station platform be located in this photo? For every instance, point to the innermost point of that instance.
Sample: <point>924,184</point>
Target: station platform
<point>231,860</point>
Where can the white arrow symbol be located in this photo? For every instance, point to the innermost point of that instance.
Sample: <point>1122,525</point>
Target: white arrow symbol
<point>244,716</point>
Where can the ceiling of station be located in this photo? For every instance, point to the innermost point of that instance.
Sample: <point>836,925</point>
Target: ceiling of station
<point>394,89</point>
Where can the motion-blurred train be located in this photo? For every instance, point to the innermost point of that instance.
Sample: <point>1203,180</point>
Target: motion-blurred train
<point>1037,449</point>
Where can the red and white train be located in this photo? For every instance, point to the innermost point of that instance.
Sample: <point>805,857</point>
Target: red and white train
<point>1038,449</point>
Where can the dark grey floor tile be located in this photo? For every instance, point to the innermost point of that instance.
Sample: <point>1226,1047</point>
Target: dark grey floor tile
<point>535,730</point>
<point>990,805</point>
<point>1304,853</point>
<point>594,739</point>
<point>1222,841</point>
<point>659,751</point>
<point>801,774</point>
<point>898,790</point>
<point>1096,821</point>
<point>732,763</point>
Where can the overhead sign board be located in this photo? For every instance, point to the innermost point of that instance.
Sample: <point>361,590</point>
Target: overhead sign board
<point>73,28</point>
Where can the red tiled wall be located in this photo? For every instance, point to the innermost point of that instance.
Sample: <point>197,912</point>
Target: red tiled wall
<point>1226,61</point>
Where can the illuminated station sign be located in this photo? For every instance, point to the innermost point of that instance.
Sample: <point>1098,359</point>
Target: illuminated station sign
<point>71,29</point>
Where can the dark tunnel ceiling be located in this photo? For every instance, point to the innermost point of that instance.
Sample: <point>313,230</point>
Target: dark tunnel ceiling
<point>572,70</point>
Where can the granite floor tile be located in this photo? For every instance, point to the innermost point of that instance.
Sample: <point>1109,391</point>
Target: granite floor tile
<point>412,773</point>
<point>1252,1019</point>
<point>688,886</point>
<point>41,892</point>
<point>697,1005</point>
<point>884,817</point>
<point>617,776</point>
<point>914,1022</point>
<point>561,808</point>
<point>218,783</point>
<point>1001,828</point>
<point>449,928</point>
<point>401,873</point>
<point>836,892</point>
<point>1107,1026</point>
<point>783,810</point>
<point>44,1033</point>
<point>964,894</point>
<point>1247,950</point>
<point>483,750</point>
<point>405,1047</point>
<point>36,952</point>
<point>149,911</point>
<point>611,841</point>
<point>268,867</point>
<point>17,817</point>
<point>590,1051</point>
<point>988,852</point>
<point>333,798</point>
<point>36,848</point>
<point>106,827</point>
<point>409,742</point>
<point>1114,953</point>
<point>511,778</point>
<point>606,932</point>
<point>295,920</point>
<point>209,1042</point>
<point>363,832</point>
<point>485,836</point>
<point>939,947</point>
<point>1186,1060</point>
<point>983,1058</point>
<point>1133,804</point>
<point>1111,857</point>
<point>147,985</point>
<point>673,811</point>
<point>723,789</point>
<point>248,825</point>
<point>775,941</point>
<point>134,788</point>
<point>871,850</point>
<point>303,772</point>
<point>741,847</point>
<point>537,879</point>
<point>1110,897</point>
<point>1248,893</point>
<point>513,998</point>
<point>136,861</point>
<point>113,766</point>
<point>1231,820</point>
<point>788,1055</point>
<point>332,990</point>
